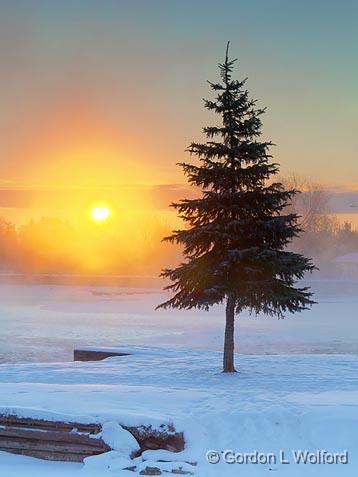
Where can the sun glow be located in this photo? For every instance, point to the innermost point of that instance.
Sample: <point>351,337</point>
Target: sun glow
<point>100,213</point>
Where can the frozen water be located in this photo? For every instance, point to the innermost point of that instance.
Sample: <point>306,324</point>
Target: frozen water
<point>46,322</point>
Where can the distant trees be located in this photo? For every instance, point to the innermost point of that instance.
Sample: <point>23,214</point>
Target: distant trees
<point>319,227</point>
<point>52,245</point>
<point>347,239</point>
<point>236,235</point>
<point>310,203</point>
<point>47,246</point>
<point>9,246</point>
<point>132,245</point>
<point>324,237</point>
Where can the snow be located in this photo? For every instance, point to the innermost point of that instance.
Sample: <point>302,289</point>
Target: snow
<point>296,386</point>
<point>289,402</point>
<point>21,466</point>
<point>112,461</point>
<point>119,439</point>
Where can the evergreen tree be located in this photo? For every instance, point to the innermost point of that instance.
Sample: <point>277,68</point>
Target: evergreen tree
<point>236,235</point>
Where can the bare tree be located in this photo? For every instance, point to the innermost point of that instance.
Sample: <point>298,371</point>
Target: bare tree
<point>320,227</point>
<point>310,204</point>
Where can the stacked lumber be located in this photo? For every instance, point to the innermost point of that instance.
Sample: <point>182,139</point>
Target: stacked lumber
<point>50,440</point>
<point>71,441</point>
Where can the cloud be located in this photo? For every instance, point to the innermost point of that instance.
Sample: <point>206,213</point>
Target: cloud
<point>156,196</point>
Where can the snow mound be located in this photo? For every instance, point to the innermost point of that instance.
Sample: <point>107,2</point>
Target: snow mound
<point>119,439</point>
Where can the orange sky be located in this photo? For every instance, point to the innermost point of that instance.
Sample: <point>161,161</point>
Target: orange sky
<point>98,104</point>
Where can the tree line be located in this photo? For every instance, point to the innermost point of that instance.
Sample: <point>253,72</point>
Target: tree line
<point>53,245</point>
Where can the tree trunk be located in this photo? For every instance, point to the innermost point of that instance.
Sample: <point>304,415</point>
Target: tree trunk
<point>229,336</point>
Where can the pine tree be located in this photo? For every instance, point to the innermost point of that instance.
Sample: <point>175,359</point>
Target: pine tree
<point>236,233</point>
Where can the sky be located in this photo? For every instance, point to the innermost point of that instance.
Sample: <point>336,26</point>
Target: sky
<point>99,99</point>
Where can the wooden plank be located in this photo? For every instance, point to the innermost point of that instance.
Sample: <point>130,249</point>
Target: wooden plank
<point>44,445</point>
<point>48,455</point>
<point>26,422</point>
<point>93,355</point>
<point>55,436</point>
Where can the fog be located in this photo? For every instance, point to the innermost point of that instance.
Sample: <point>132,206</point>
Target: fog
<point>64,286</point>
<point>46,322</point>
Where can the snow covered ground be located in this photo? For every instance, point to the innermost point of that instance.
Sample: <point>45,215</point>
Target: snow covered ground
<point>273,403</point>
<point>302,395</point>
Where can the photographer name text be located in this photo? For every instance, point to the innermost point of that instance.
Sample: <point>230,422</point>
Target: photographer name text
<point>298,456</point>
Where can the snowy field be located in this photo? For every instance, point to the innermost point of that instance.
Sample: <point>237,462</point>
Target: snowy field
<point>302,396</point>
<point>289,403</point>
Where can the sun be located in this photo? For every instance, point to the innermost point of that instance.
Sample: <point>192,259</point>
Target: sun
<point>100,213</point>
